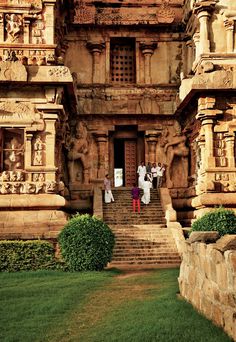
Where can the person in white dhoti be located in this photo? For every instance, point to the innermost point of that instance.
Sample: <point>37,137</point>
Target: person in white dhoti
<point>107,187</point>
<point>146,190</point>
<point>141,174</point>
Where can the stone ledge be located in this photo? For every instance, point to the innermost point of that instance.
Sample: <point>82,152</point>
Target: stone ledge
<point>32,201</point>
<point>207,237</point>
<point>226,242</point>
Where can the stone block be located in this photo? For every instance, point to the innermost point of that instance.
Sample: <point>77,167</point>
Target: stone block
<point>221,276</point>
<point>206,306</point>
<point>217,315</point>
<point>226,242</point>
<point>216,256</point>
<point>207,289</point>
<point>206,237</point>
<point>228,317</point>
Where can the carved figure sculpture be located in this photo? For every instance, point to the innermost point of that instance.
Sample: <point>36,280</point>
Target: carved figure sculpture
<point>13,27</point>
<point>38,147</point>
<point>13,155</point>
<point>79,151</point>
<point>173,149</point>
<point>38,28</point>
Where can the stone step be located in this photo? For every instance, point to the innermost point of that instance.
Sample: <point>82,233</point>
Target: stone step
<point>147,259</point>
<point>142,266</point>
<point>135,254</point>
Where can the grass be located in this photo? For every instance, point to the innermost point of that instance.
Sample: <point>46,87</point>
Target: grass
<point>99,306</point>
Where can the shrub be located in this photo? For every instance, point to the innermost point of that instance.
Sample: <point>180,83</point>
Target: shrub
<point>26,255</point>
<point>86,243</point>
<point>220,220</point>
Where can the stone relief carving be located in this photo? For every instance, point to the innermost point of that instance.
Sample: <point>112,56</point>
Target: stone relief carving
<point>58,72</point>
<point>83,13</point>
<point>14,28</point>
<point>220,149</point>
<point>12,182</point>
<point>117,16</point>
<point>38,28</point>
<point>165,14</point>
<point>177,162</point>
<point>19,112</point>
<point>13,154</point>
<point>78,152</point>
<point>38,151</point>
<point>12,69</point>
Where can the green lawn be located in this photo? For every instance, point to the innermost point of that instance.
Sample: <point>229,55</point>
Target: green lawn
<point>99,306</point>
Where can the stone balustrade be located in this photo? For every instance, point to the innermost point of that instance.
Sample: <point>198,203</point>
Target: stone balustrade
<point>208,277</point>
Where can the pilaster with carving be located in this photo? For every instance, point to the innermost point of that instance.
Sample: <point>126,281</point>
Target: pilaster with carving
<point>151,138</point>
<point>96,49</point>
<point>102,146</point>
<point>203,10</point>
<point>147,49</point>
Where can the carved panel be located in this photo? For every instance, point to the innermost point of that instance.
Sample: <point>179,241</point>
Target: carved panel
<point>14,28</point>
<point>220,150</point>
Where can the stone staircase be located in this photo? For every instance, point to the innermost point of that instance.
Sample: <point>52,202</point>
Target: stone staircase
<point>121,211</point>
<point>144,246</point>
<point>142,240</point>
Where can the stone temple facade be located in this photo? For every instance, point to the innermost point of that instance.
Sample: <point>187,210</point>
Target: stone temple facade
<point>95,87</point>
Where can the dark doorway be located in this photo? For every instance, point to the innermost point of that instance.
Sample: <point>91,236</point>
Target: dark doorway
<point>125,152</point>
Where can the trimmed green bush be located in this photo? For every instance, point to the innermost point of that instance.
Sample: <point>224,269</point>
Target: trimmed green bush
<point>220,220</point>
<point>26,255</point>
<point>86,243</point>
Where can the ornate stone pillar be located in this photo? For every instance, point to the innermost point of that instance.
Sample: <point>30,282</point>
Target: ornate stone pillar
<point>50,141</point>
<point>207,114</point>
<point>229,25</point>
<point>26,31</point>
<point>147,49</point>
<point>196,39</point>
<point>49,19</point>
<point>102,143</point>
<point>151,139</point>
<point>203,10</point>
<point>28,150</point>
<point>1,28</point>
<point>229,139</point>
<point>96,49</point>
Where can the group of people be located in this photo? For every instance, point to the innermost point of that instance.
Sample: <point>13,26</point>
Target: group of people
<point>153,173</point>
<point>149,177</point>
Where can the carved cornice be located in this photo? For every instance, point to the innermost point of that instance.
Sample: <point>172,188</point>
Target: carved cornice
<point>148,47</point>
<point>206,6</point>
<point>94,47</point>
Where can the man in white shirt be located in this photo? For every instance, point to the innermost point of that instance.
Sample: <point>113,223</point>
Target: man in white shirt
<point>141,174</point>
<point>160,173</point>
<point>154,175</point>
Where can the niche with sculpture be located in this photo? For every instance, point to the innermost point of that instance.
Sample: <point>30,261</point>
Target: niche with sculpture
<point>38,151</point>
<point>12,149</point>
<point>78,155</point>
<point>176,153</point>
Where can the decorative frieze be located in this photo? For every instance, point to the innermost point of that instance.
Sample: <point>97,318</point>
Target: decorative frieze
<point>86,13</point>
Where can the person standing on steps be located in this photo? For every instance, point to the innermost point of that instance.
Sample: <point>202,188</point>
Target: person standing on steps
<point>159,175</point>
<point>135,197</point>
<point>146,190</point>
<point>107,187</point>
<point>154,175</point>
<point>141,174</point>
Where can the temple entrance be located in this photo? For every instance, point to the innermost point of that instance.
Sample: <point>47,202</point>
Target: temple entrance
<point>125,162</point>
<point>127,150</point>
